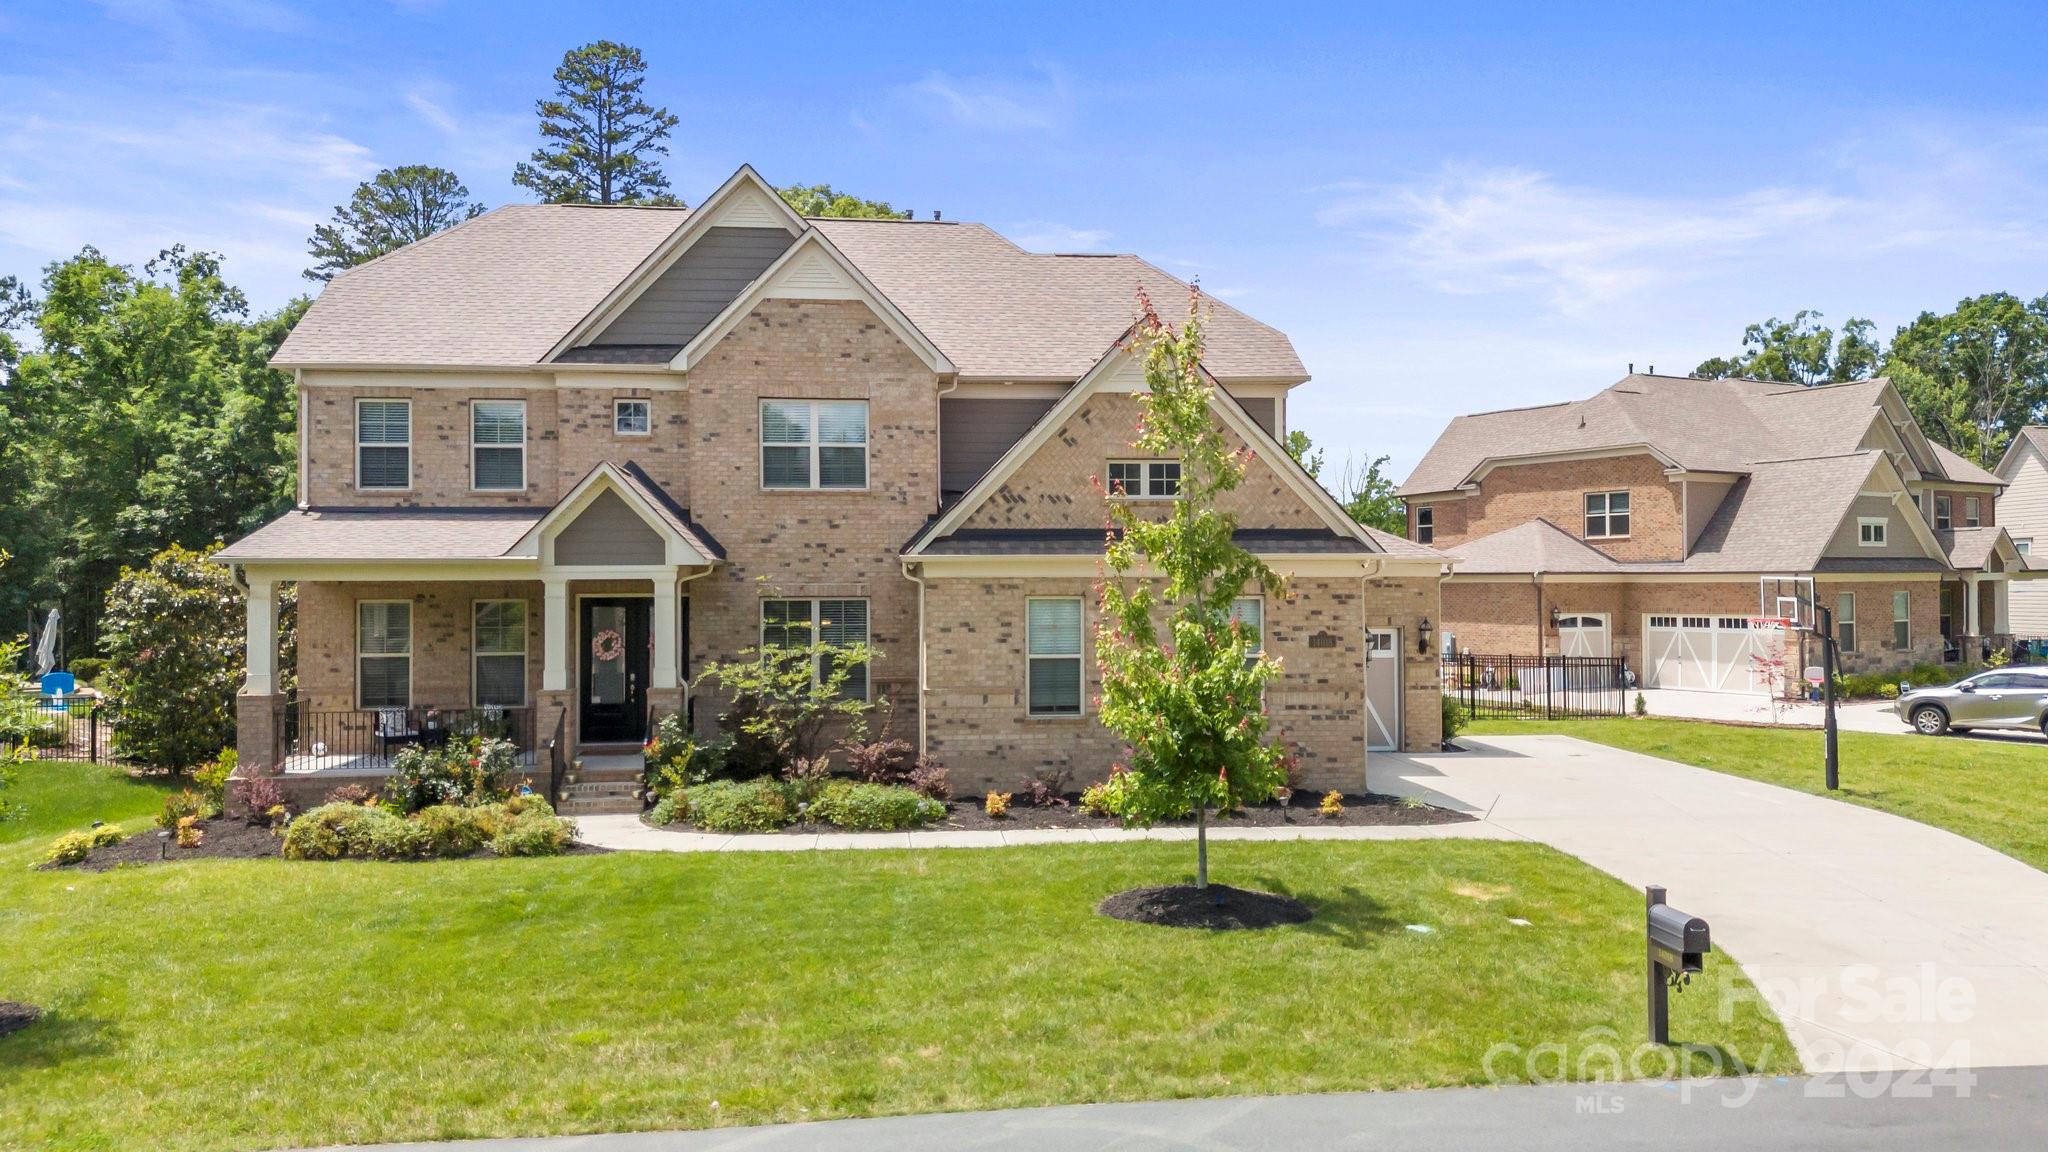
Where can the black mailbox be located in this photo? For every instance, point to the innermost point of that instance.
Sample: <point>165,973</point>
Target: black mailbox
<point>1677,940</point>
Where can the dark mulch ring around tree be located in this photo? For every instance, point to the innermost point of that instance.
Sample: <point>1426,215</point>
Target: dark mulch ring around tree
<point>1217,907</point>
<point>226,838</point>
<point>14,1016</point>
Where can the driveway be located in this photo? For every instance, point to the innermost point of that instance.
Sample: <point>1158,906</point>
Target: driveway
<point>1753,708</point>
<point>1881,942</point>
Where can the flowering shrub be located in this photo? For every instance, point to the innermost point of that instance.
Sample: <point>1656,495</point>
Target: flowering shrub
<point>469,771</point>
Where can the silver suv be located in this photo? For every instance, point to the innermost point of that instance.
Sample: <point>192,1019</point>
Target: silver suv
<point>1999,698</point>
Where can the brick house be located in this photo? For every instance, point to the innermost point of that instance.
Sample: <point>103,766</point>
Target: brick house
<point>1640,522</point>
<point>558,458</point>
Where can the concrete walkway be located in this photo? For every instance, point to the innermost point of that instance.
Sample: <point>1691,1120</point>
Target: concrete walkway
<point>1753,708</point>
<point>629,834</point>
<point>1881,942</point>
<point>2004,1109</point>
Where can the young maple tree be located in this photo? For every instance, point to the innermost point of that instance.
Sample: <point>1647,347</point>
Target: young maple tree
<point>1180,679</point>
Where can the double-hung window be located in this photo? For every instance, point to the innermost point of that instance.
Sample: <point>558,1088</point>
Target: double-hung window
<point>1425,525</point>
<point>819,444</point>
<point>1944,513</point>
<point>384,653</point>
<point>1250,613</point>
<point>498,646</point>
<point>1845,621</point>
<point>1972,511</point>
<point>497,437</point>
<point>1052,643</point>
<point>1144,479</point>
<point>383,444</point>
<point>793,624</point>
<point>1606,515</point>
<point>1902,613</point>
<point>632,417</point>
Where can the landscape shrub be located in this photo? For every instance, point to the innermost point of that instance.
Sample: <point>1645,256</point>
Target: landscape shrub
<point>258,795</point>
<point>1118,796</point>
<point>452,830</point>
<point>211,778</point>
<point>180,804</point>
<point>334,831</point>
<point>675,760</point>
<point>470,770</point>
<point>1332,805</point>
<point>358,794</point>
<point>862,807</point>
<point>1454,716</point>
<point>996,805</point>
<point>534,831</point>
<point>1888,691</point>
<point>1096,800</point>
<point>88,669</point>
<point>69,848</point>
<point>759,805</point>
<point>190,834</point>
<point>781,699</point>
<point>928,778</point>
<point>1047,788</point>
<point>882,761</point>
<point>1642,705</point>
<point>667,810</point>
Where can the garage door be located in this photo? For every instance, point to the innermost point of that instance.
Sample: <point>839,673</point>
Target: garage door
<point>1383,689</point>
<point>1584,634</point>
<point>1708,653</point>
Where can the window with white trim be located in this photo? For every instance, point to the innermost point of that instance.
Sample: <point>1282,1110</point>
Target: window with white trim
<point>1871,531</point>
<point>497,440</point>
<point>1902,615</point>
<point>383,653</point>
<point>834,623</point>
<point>2024,544</point>
<point>1052,646</point>
<point>1971,511</point>
<point>1845,621</point>
<point>1943,510</point>
<point>1425,525</point>
<point>498,653</point>
<point>383,444</point>
<point>1250,611</point>
<point>814,444</point>
<point>1606,515</point>
<point>1144,479</point>
<point>632,417</point>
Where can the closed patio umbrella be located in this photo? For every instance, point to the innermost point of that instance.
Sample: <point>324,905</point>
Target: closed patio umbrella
<point>46,648</point>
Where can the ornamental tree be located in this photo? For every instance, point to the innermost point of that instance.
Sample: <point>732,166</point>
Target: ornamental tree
<point>1180,681</point>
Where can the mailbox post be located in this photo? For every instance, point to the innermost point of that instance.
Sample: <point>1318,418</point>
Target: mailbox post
<point>1677,946</point>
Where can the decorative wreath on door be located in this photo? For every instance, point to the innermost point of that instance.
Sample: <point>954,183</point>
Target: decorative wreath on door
<point>607,646</point>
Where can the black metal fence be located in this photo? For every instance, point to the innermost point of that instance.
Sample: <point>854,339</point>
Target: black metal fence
<point>1538,687</point>
<point>67,728</point>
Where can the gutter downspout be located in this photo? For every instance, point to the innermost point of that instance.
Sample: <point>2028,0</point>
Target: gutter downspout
<point>683,657</point>
<point>918,579</point>
<point>939,475</point>
<point>1371,569</point>
<point>304,485</point>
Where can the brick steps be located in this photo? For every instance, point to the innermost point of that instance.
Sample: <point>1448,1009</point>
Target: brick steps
<point>603,786</point>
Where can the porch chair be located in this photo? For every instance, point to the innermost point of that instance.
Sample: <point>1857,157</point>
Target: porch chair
<point>394,726</point>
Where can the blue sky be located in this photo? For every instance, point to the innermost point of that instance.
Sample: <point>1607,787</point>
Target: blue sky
<point>1449,207</point>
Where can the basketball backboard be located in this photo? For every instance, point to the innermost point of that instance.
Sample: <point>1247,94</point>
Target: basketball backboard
<point>1788,598</point>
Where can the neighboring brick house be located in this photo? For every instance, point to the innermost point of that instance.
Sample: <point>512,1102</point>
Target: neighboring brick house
<point>557,459</point>
<point>1640,523</point>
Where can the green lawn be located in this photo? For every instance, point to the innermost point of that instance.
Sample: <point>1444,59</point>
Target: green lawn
<point>62,795</point>
<point>1993,791</point>
<point>260,1003</point>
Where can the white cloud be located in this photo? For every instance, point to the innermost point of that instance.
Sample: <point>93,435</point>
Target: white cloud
<point>995,103</point>
<point>418,100</point>
<point>1047,236</point>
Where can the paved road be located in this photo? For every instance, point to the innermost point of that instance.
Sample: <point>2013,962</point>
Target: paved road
<point>1881,942</point>
<point>2007,1108</point>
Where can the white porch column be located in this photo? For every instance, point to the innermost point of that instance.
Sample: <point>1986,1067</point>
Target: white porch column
<point>1971,625</point>
<point>261,656</point>
<point>554,667</point>
<point>667,634</point>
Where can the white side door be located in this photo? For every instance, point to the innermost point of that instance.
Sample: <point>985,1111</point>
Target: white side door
<point>1383,689</point>
<point>1584,634</point>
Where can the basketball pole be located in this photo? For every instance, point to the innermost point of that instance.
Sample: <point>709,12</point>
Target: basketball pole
<point>1825,617</point>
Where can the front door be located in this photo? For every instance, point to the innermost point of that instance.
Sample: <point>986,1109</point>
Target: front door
<point>616,652</point>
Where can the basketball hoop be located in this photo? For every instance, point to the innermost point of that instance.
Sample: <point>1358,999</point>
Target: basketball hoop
<point>1774,623</point>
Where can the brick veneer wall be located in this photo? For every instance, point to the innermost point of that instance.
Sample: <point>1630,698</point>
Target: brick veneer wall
<point>441,638</point>
<point>1057,487</point>
<point>1516,494</point>
<point>980,728</point>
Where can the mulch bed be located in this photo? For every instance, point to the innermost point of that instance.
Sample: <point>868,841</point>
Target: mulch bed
<point>967,815</point>
<point>1218,907</point>
<point>14,1016</point>
<point>226,839</point>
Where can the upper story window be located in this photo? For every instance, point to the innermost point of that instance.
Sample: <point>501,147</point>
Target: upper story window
<point>384,444</point>
<point>814,444</point>
<point>1425,525</point>
<point>1971,508</point>
<point>1144,479</point>
<point>632,417</point>
<point>497,439</point>
<point>1943,512</point>
<point>2024,544</point>
<point>1871,530</point>
<point>1606,515</point>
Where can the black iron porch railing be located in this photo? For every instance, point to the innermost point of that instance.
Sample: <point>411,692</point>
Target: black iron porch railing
<point>1538,687</point>
<point>367,738</point>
